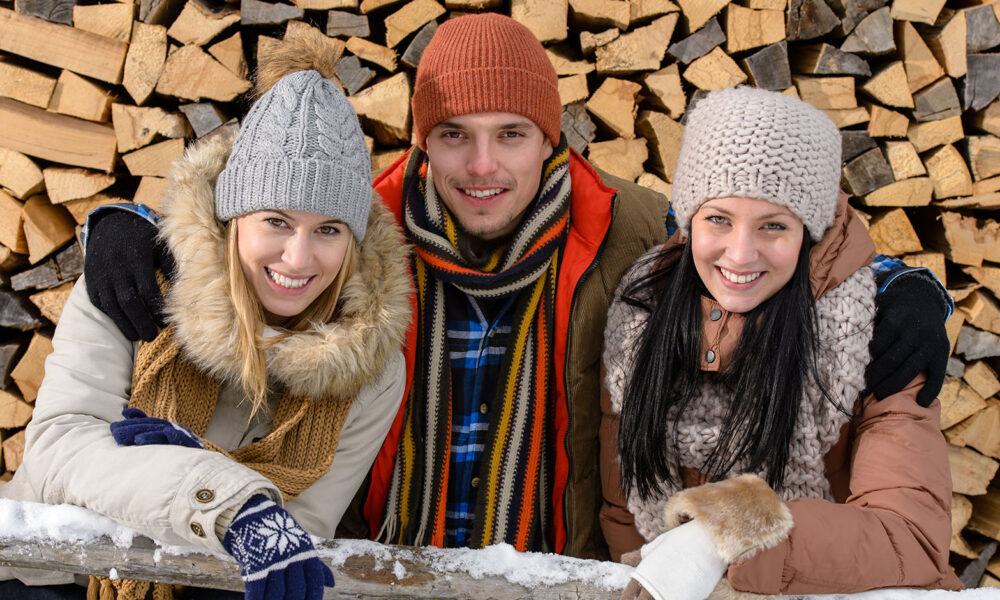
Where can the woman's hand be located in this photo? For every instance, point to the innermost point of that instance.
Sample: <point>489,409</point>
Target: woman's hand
<point>139,430</point>
<point>681,564</point>
<point>277,557</point>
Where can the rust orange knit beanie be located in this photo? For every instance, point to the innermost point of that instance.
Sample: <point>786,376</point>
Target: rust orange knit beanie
<point>485,63</point>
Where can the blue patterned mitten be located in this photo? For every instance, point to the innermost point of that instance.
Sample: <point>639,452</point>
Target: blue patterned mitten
<point>139,430</point>
<point>278,559</point>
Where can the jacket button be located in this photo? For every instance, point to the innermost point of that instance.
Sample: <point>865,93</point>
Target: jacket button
<point>715,315</point>
<point>483,408</point>
<point>197,529</point>
<point>475,482</point>
<point>204,496</point>
<point>710,356</point>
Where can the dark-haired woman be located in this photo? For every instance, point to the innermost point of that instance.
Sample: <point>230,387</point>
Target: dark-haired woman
<point>751,460</point>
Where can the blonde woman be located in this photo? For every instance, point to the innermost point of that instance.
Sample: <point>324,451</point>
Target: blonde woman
<point>256,414</point>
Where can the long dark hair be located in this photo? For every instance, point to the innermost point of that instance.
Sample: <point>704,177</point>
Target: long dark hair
<point>774,358</point>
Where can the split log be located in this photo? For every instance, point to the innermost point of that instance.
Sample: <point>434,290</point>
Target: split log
<point>961,511</point>
<point>590,42</point>
<point>137,126</point>
<point>714,71</point>
<point>641,11</point>
<point>973,344</point>
<point>80,208</point>
<point>621,157</point>
<point>947,169</point>
<point>564,64</point>
<point>971,473</point>
<point>39,277</point>
<point>893,233</point>
<point>665,90</point>
<point>642,49</point>
<point>872,36</point>
<point>69,261</point>
<point>918,11</point>
<point>947,42</point>
<point>191,74</point>
<point>747,28</point>
<point>547,20</point>
<point>19,174</point>
<point>368,6</point>
<point>12,223</point>
<point>983,379</point>
<point>410,18</point>
<point>986,514</point>
<point>78,97</point>
<point>25,85</point>
<point>150,192</point>
<point>867,173</point>
<point>154,159</point>
<point>699,43</point>
<point>854,143</point>
<point>411,57</point>
<point>381,159</point>
<point>769,68</point>
<point>573,89</point>
<point>982,311</point>
<point>826,92</point>
<point>824,59</point>
<point>930,134</point>
<point>341,23</point>
<point>984,156</point>
<point>199,23</point>
<point>30,370</point>
<point>373,53</point>
<point>988,119</point>
<point>599,13</point>
<point>846,117</point>
<point>55,11</point>
<point>325,4</point>
<point>889,86</point>
<point>664,135</point>
<point>386,106</point>
<point>10,352</point>
<point>10,260</point>
<point>58,138</point>
<point>958,402</point>
<point>989,277</point>
<point>614,106</point>
<point>982,82</point>
<point>352,74</point>
<point>982,30</point>
<point>109,20</point>
<point>51,302</point>
<point>908,192</point>
<point>64,47</point>
<point>13,451</point>
<point>810,19</point>
<point>884,122</point>
<point>698,12</point>
<point>159,12</point>
<point>204,117</point>
<point>68,183</point>
<point>577,126</point>
<point>936,101</point>
<point>46,227</point>
<point>904,160</point>
<point>258,12</point>
<point>147,54</point>
<point>964,241</point>
<point>16,312</point>
<point>14,412</point>
<point>921,67</point>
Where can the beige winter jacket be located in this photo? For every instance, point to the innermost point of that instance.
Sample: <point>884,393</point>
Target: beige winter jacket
<point>160,491</point>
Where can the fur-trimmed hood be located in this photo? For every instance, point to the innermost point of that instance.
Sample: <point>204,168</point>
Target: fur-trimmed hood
<point>333,360</point>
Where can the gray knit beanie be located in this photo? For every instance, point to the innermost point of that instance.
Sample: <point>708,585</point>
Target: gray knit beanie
<point>759,144</point>
<point>300,148</point>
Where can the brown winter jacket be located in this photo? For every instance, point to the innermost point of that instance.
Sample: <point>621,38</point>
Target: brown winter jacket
<point>612,222</point>
<point>889,474</point>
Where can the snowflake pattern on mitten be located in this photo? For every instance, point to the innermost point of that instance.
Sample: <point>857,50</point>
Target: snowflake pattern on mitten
<point>264,537</point>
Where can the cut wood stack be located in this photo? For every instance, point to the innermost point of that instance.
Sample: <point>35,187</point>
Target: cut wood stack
<point>96,100</point>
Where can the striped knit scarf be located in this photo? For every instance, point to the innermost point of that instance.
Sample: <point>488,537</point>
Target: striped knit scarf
<point>515,483</point>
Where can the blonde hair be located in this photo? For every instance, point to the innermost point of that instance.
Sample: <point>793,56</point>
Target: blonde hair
<point>250,316</point>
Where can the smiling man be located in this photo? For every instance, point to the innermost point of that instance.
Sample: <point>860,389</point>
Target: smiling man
<point>519,244</point>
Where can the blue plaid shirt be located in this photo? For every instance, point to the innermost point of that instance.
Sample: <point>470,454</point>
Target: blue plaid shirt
<point>478,331</point>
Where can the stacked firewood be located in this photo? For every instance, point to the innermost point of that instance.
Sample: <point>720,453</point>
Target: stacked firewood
<point>96,100</point>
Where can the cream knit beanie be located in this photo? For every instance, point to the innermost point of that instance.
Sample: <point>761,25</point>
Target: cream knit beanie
<point>759,144</point>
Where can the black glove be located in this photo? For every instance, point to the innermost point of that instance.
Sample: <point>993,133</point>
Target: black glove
<point>909,338</point>
<point>123,255</point>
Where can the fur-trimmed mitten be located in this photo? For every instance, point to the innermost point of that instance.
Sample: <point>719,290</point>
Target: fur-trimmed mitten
<point>710,527</point>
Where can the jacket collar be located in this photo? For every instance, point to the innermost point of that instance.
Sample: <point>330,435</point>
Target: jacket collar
<point>334,359</point>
